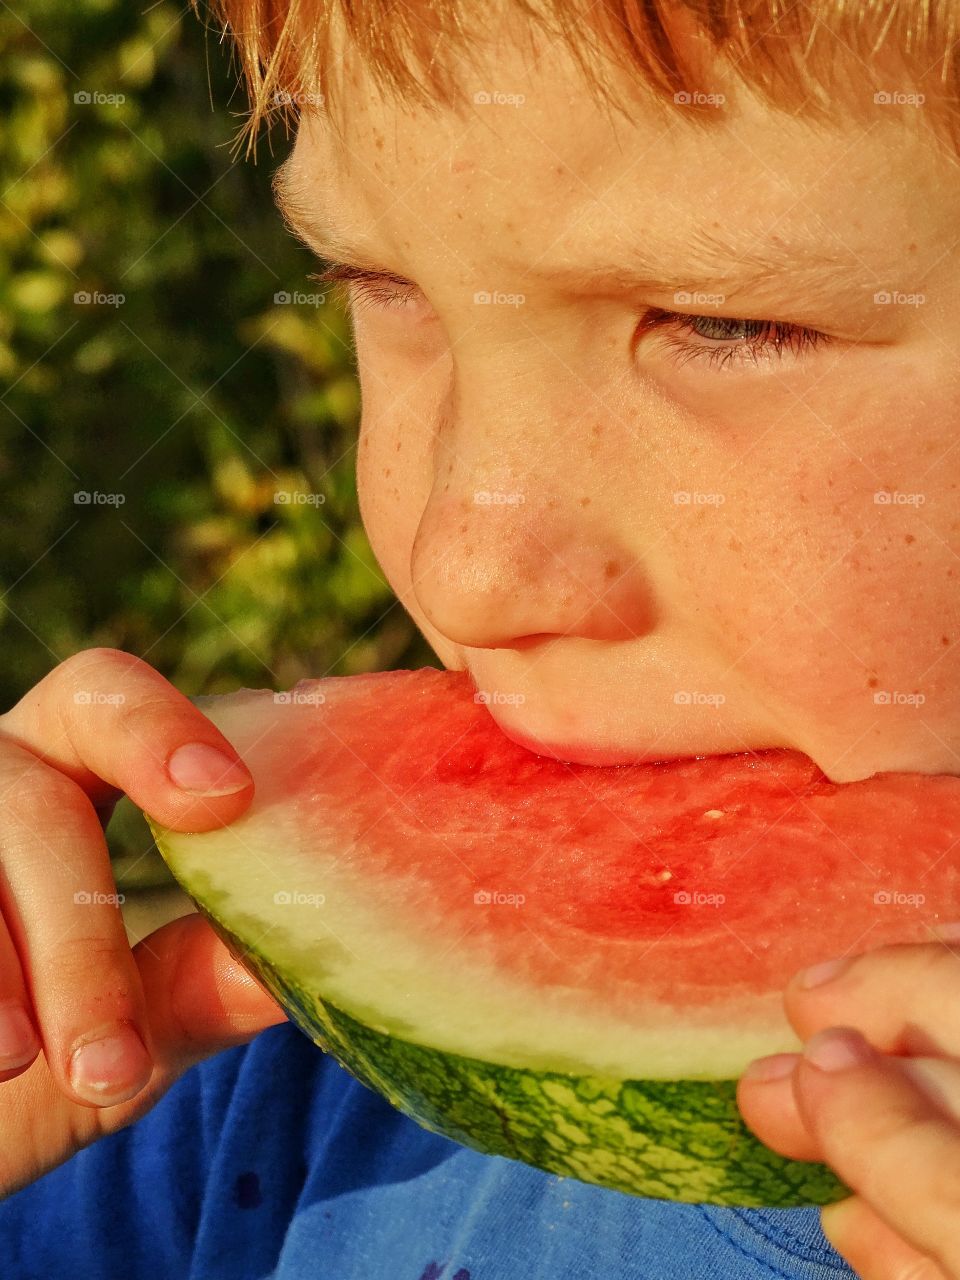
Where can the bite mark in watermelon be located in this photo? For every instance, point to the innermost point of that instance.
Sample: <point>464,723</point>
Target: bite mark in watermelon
<point>567,965</point>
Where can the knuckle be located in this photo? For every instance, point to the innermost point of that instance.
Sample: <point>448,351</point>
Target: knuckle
<point>100,968</point>
<point>917,1152</point>
<point>96,658</point>
<point>39,800</point>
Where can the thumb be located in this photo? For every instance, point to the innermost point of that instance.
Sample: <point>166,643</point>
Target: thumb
<point>199,998</point>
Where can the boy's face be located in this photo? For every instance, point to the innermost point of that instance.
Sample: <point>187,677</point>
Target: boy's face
<point>648,537</point>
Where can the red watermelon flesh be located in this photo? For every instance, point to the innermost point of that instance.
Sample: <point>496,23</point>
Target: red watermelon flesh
<point>691,878</point>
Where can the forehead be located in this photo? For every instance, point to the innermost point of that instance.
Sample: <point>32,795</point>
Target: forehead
<point>535,167</point>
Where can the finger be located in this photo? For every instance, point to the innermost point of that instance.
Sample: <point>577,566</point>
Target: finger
<point>59,903</point>
<point>768,1101</point>
<point>111,723</point>
<point>19,1041</point>
<point>896,995</point>
<point>873,1249</point>
<point>890,1140</point>
<point>768,1105</point>
<point>200,1001</point>
<point>201,998</point>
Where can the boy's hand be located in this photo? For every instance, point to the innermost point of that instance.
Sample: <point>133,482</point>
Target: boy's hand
<point>100,724</point>
<point>885,1118</point>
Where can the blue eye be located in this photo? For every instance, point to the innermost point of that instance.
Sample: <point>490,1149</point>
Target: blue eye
<point>726,340</point>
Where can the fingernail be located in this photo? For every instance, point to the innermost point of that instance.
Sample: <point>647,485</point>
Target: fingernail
<point>776,1067</point>
<point>837,1049</point>
<point>18,1040</point>
<point>206,771</point>
<point>818,974</point>
<point>111,1069</point>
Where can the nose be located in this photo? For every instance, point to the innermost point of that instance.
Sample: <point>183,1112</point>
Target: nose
<point>498,561</point>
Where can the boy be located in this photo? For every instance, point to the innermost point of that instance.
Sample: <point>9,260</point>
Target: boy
<point>659,395</point>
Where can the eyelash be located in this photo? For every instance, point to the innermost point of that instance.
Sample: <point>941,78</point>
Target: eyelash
<point>770,339</point>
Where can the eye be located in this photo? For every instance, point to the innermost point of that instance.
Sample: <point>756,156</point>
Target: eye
<point>724,341</point>
<point>358,287</point>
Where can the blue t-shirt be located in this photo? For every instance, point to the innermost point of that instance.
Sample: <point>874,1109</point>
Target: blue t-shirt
<point>271,1161</point>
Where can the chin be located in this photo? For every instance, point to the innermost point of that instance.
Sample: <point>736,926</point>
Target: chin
<point>584,753</point>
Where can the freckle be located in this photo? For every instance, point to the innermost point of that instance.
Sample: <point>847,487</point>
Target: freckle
<point>597,429</point>
<point>872,682</point>
<point>584,502</point>
<point>735,545</point>
<point>552,503</point>
<point>463,528</point>
<point>446,486</point>
<point>386,471</point>
<point>829,484</point>
<point>804,499</point>
<point>945,641</point>
<point>399,443</point>
<point>459,215</point>
<point>908,538</point>
<point>611,569</point>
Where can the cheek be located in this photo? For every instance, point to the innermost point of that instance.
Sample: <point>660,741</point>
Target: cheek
<point>823,593</point>
<point>395,457</point>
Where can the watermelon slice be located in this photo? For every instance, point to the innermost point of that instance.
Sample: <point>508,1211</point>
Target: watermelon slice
<point>565,964</point>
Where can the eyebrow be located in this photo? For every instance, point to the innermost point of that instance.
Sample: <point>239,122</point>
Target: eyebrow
<point>810,275</point>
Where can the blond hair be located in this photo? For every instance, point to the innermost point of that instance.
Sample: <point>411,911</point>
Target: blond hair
<point>796,54</point>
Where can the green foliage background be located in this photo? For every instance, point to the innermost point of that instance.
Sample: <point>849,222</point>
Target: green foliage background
<point>196,399</point>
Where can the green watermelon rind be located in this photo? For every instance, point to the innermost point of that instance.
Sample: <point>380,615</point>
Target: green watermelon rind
<point>680,1140</point>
